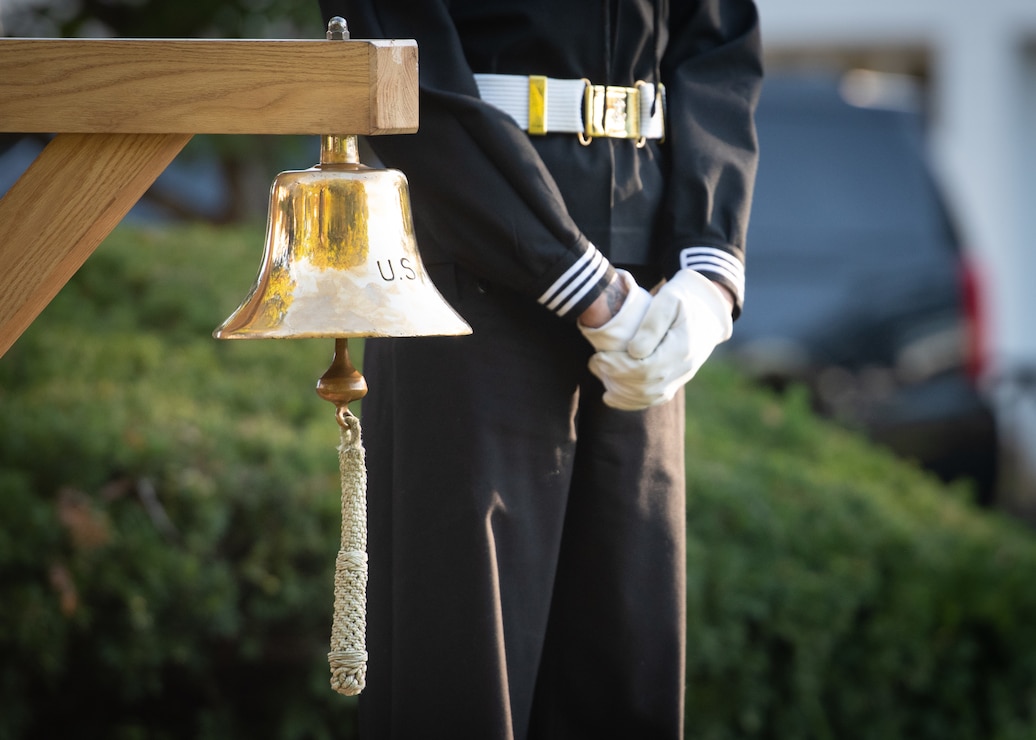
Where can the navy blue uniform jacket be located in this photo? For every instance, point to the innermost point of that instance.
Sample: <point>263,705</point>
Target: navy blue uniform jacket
<point>521,210</point>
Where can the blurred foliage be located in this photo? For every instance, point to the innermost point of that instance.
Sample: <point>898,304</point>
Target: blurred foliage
<point>163,19</point>
<point>170,508</point>
<point>837,592</point>
<point>169,517</point>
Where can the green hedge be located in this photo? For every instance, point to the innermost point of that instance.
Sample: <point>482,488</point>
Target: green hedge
<point>169,512</point>
<point>170,508</point>
<point>836,592</point>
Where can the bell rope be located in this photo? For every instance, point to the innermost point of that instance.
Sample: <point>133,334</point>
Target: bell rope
<point>348,656</point>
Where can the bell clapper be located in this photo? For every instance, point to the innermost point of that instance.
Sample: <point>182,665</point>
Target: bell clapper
<point>342,383</point>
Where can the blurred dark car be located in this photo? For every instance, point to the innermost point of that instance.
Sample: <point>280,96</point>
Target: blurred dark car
<point>857,283</point>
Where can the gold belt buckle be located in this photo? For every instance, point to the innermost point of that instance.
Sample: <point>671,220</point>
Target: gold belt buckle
<point>610,111</point>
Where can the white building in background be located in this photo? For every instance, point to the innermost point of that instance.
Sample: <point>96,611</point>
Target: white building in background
<point>978,61</point>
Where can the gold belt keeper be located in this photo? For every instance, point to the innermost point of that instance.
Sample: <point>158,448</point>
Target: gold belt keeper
<point>611,111</point>
<point>537,104</point>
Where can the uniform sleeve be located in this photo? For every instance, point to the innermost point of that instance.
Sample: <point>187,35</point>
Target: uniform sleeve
<point>712,70</point>
<point>481,194</point>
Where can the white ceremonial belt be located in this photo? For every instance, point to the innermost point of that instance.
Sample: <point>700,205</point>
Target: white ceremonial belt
<point>543,105</point>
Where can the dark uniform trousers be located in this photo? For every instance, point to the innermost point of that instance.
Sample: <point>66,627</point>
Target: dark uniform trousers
<point>527,543</point>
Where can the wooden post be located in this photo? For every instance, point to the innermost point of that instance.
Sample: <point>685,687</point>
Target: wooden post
<point>123,109</point>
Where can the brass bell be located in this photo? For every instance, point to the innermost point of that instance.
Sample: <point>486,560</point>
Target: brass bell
<point>341,258</point>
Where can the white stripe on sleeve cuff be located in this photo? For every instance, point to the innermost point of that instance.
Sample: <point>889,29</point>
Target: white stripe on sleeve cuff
<point>711,259</point>
<point>576,282</point>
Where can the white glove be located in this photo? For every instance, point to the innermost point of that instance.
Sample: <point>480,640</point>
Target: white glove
<point>620,328</point>
<point>683,324</point>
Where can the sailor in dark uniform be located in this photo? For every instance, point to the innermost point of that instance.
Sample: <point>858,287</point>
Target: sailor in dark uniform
<point>526,483</point>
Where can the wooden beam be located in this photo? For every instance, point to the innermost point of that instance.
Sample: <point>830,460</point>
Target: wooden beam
<point>193,86</point>
<point>62,207</point>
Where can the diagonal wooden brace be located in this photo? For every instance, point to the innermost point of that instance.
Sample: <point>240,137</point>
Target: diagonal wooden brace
<point>63,207</point>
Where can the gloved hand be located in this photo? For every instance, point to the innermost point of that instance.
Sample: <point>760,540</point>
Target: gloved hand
<point>682,326</point>
<point>616,333</point>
